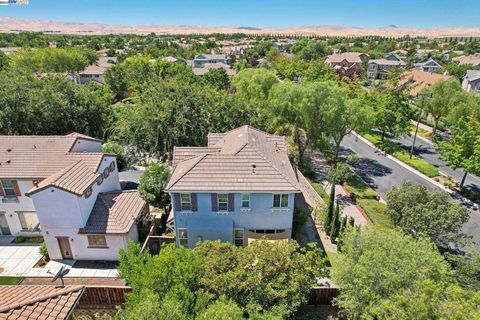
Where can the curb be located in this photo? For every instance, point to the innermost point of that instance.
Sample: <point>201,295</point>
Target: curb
<point>401,163</point>
<point>424,139</point>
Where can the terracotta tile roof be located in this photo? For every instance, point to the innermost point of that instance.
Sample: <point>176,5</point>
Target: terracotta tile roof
<point>75,178</point>
<point>114,212</point>
<point>473,59</point>
<point>207,66</point>
<point>244,159</point>
<point>351,57</point>
<point>38,157</point>
<point>419,80</point>
<point>38,302</point>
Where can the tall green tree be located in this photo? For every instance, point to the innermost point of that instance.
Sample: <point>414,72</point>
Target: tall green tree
<point>253,85</point>
<point>420,212</point>
<point>218,78</point>
<point>463,148</point>
<point>152,184</point>
<point>445,94</point>
<point>51,105</point>
<point>379,266</point>
<point>391,111</point>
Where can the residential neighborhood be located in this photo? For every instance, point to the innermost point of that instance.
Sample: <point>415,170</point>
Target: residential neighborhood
<point>245,161</point>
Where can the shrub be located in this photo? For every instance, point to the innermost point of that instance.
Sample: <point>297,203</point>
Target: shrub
<point>43,251</point>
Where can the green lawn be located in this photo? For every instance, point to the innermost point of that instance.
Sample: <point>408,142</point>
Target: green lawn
<point>421,132</point>
<point>365,197</point>
<point>392,148</point>
<point>10,280</point>
<point>332,259</point>
<point>359,188</point>
<point>321,192</point>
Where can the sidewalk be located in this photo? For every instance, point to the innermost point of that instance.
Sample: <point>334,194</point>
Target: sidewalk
<point>348,208</point>
<point>52,267</point>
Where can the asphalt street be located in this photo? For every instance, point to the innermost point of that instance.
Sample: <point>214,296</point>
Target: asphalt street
<point>426,151</point>
<point>382,173</point>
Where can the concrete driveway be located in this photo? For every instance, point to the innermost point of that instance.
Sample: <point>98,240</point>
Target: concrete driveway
<point>18,260</point>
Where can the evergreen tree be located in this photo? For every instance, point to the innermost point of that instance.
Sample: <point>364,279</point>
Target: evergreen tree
<point>330,209</point>
<point>341,234</point>
<point>335,227</point>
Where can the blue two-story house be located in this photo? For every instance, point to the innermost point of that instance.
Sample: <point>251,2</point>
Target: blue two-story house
<point>239,188</point>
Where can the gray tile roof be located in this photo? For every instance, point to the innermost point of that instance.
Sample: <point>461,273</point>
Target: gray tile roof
<point>473,75</point>
<point>385,62</point>
<point>243,159</point>
<point>115,212</point>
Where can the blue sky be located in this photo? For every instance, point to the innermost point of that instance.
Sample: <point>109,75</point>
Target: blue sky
<point>264,13</point>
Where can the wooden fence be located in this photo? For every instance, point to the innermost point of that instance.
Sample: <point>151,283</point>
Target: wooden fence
<point>323,295</point>
<point>103,296</point>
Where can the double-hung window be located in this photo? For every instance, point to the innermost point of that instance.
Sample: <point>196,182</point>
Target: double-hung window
<point>245,200</point>
<point>280,200</point>
<point>183,237</point>
<point>222,201</point>
<point>97,241</point>
<point>186,202</point>
<point>8,189</point>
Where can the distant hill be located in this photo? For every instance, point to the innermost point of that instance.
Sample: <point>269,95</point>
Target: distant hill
<point>17,25</point>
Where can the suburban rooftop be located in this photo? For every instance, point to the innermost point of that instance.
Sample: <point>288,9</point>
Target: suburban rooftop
<point>243,159</point>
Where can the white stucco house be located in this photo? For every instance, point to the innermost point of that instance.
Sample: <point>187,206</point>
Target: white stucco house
<point>68,190</point>
<point>239,188</point>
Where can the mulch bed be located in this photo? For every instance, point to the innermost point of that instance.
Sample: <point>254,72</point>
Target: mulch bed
<point>75,281</point>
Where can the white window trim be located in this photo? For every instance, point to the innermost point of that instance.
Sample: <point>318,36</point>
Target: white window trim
<point>97,246</point>
<point>189,202</point>
<point>218,203</point>
<point>281,195</point>
<point>5,195</point>
<point>241,199</point>
<point>180,239</point>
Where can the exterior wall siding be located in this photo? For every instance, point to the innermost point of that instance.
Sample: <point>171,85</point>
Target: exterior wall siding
<point>11,207</point>
<point>62,214</point>
<point>207,224</point>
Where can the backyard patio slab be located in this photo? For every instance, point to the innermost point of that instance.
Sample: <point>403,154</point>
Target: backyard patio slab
<point>18,260</point>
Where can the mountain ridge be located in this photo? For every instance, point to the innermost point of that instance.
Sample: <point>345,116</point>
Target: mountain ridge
<point>8,24</point>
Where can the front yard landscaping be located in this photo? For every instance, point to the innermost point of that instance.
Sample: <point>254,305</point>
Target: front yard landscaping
<point>22,239</point>
<point>10,280</point>
<point>395,150</point>
<point>365,197</point>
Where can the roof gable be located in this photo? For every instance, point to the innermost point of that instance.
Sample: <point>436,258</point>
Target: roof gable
<point>38,302</point>
<point>243,159</point>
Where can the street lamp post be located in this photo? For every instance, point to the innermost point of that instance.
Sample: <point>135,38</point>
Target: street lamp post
<point>422,105</point>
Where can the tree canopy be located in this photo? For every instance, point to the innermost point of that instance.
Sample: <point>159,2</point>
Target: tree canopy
<point>152,184</point>
<point>420,212</point>
<point>263,279</point>
<point>387,275</point>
